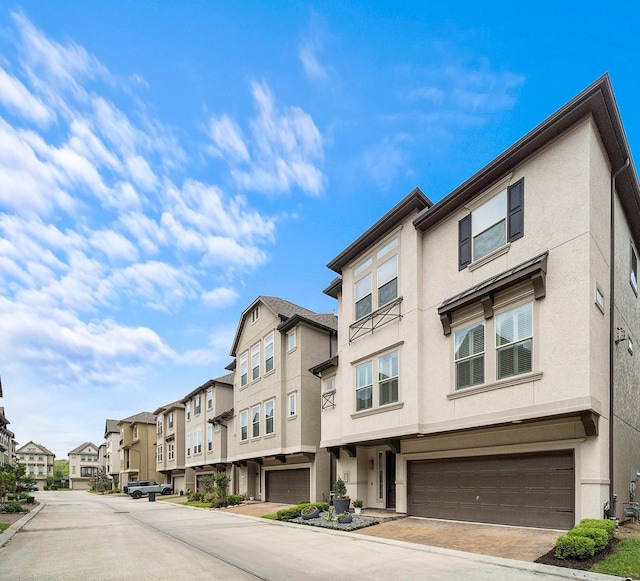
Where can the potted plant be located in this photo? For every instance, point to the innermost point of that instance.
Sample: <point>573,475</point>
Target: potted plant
<point>341,500</point>
<point>357,505</point>
<point>345,517</point>
<point>309,512</point>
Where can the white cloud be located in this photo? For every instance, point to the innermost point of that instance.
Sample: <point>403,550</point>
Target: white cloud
<point>14,95</point>
<point>227,139</point>
<point>114,245</point>
<point>219,297</point>
<point>312,67</point>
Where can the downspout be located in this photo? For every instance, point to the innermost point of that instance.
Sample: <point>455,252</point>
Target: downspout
<point>612,233</point>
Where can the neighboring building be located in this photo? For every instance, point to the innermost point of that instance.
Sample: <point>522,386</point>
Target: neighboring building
<point>7,441</point>
<point>83,466</point>
<point>37,460</point>
<point>111,460</point>
<point>205,439</point>
<point>170,447</point>
<point>138,448</point>
<point>274,444</point>
<point>486,367</point>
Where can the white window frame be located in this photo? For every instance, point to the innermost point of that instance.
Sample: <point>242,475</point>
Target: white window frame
<point>269,416</point>
<point>170,420</point>
<point>170,451</point>
<point>244,369</point>
<point>474,355</point>
<point>487,217</point>
<point>330,383</point>
<point>255,314</point>
<point>210,399</point>
<point>291,340</point>
<point>188,444</point>
<point>255,421</point>
<point>197,441</point>
<point>393,357</point>
<point>255,362</point>
<point>370,380</point>
<point>197,405</point>
<point>269,353</point>
<point>159,453</point>
<point>364,385</point>
<point>188,410</point>
<point>292,400</point>
<point>244,425</point>
<point>209,437</point>
<point>519,340</point>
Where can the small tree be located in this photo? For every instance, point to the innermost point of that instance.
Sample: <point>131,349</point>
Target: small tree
<point>208,483</point>
<point>101,481</point>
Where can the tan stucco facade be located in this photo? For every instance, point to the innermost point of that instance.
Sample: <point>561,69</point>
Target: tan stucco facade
<point>37,460</point>
<point>83,466</point>
<point>138,449</point>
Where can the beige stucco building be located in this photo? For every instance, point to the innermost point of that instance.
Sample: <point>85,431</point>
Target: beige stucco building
<point>37,460</point>
<point>111,459</point>
<point>170,447</point>
<point>485,368</point>
<point>83,466</point>
<point>138,448</point>
<point>273,441</point>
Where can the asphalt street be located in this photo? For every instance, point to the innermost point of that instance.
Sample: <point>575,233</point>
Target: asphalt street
<point>76,535</point>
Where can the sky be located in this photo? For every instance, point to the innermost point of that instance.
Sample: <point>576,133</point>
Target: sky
<point>163,164</point>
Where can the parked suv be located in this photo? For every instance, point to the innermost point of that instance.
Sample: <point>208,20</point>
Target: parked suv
<point>137,488</point>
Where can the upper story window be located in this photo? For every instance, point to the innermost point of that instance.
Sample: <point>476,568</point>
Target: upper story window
<point>384,268</point>
<point>170,451</point>
<point>160,453</point>
<point>171,420</point>
<point>255,314</point>
<point>197,442</point>
<point>209,437</point>
<point>209,399</point>
<point>491,225</point>
<point>135,432</point>
<point>633,276</point>
<point>255,421</point>
<point>268,353</point>
<point>244,369</point>
<point>291,340</point>
<point>269,419</point>
<point>385,389</point>
<point>188,444</point>
<point>514,341</point>
<point>159,427</point>
<point>469,356</point>
<point>293,409</point>
<point>255,361</point>
<point>188,410</point>
<point>244,425</point>
<point>197,405</point>
<point>330,383</point>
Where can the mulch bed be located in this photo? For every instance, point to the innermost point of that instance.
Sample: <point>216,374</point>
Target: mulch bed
<point>583,565</point>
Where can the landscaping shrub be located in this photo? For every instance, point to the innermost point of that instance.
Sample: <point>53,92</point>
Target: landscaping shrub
<point>30,500</point>
<point>294,511</point>
<point>599,536</point>
<point>574,547</point>
<point>195,497</point>
<point>14,506</point>
<point>602,523</point>
<point>219,503</point>
<point>234,499</point>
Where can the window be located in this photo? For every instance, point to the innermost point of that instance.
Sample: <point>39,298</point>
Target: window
<point>159,453</point>
<point>188,410</point>
<point>159,427</point>
<point>188,444</point>
<point>600,299</point>
<point>386,272</point>
<point>268,353</point>
<point>197,405</point>
<point>255,314</point>
<point>292,404</point>
<point>364,386</point>
<point>630,346</point>
<point>210,437</point>
<point>634,270</point>
<point>514,341</point>
<point>329,384</point>
<point>197,442</point>
<point>209,399</point>
<point>255,361</point>
<point>170,451</point>
<point>32,457</point>
<point>491,225</point>
<point>269,427</point>
<point>171,420</point>
<point>40,458</point>
<point>135,432</point>
<point>244,366</point>
<point>469,356</point>
<point>244,425</point>
<point>388,378</point>
<point>291,340</point>
<point>255,421</point>
<point>86,471</point>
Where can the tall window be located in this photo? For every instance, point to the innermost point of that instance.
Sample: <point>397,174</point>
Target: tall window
<point>514,341</point>
<point>268,353</point>
<point>209,399</point>
<point>364,386</point>
<point>269,427</point>
<point>171,420</point>
<point>469,356</point>
<point>197,442</point>
<point>255,361</point>
<point>386,279</point>
<point>159,453</point>
<point>244,369</point>
<point>634,270</point>
<point>291,340</point>
<point>244,425</point>
<point>255,421</point>
<point>188,444</point>
<point>388,378</point>
<point>188,410</point>
<point>292,404</point>
<point>197,406</point>
<point>170,450</point>
<point>209,437</point>
<point>159,427</point>
<point>255,314</point>
<point>363,296</point>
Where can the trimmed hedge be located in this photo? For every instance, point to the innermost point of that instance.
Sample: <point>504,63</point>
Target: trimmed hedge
<point>574,547</point>
<point>599,536</point>
<point>601,523</point>
<point>294,511</point>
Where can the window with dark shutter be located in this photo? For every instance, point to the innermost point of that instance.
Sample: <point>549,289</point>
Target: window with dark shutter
<point>515,211</point>
<point>464,242</point>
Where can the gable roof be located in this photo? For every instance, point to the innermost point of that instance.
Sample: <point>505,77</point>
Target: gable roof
<point>111,427</point>
<point>39,446</point>
<point>287,312</point>
<point>598,101</point>
<point>168,407</point>
<point>81,448</point>
<point>224,381</point>
<point>141,418</point>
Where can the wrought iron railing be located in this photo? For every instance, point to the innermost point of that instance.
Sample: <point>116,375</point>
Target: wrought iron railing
<point>389,312</point>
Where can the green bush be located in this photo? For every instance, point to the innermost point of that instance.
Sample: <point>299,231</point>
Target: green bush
<point>219,503</point>
<point>599,536</point>
<point>234,499</point>
<point>30,500</point>
<point>195,497</point>
<point>14,506</point>
<point>601,523</point>
<point>294,511</point>
<point>574,547</point>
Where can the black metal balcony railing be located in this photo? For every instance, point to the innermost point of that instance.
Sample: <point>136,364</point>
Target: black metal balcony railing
<point>328,400</point>
<point>389,312</point>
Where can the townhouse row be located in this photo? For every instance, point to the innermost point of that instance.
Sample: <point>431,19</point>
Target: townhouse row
<point>481,366</point>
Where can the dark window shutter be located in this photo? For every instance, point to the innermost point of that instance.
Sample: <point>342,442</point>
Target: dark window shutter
<point>464,242</point>
<point>515,217</point>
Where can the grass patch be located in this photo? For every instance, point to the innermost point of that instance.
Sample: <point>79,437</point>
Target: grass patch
<point>272,516</point>
<point>625,562</point>
<point>196,504</point>
<point>4,526</point>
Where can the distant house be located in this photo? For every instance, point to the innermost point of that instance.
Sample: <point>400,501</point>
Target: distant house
<point>111,458</point>
<point>83,466</point>
<point>7,441</point>
<point>37,460</point>
<point>138,448</point>
<point>170,448</point>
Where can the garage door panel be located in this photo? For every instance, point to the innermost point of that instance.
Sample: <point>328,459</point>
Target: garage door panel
<point>529,490</point>
<point>288,486</point>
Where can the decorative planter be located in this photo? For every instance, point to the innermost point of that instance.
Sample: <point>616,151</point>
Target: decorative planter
<point>309,515</point>
<point>341,504</point>
<point>357,509</point>
<point>347,518</point>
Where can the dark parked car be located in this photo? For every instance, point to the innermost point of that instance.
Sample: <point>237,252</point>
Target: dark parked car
<point>26,487</point>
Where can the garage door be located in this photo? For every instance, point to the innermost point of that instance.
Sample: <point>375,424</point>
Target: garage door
<point>288,486</point>
<point>528,490</point>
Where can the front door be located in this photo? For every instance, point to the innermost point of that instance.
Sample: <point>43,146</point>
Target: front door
<point>390,477</point>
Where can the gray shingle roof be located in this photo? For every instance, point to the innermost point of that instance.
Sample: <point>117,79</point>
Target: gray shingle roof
<point>111,427</point>
<point>81,447</point>
<point>141,418</point>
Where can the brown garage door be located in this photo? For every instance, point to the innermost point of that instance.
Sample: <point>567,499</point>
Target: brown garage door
<point>528,490</point>
<point>289,486</point>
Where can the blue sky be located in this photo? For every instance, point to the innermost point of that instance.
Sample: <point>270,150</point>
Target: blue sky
<point>164,163</point>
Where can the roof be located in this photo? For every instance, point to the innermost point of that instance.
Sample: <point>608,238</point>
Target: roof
<point>225,380</point>
<point>111,427</point>
<point>414,201</point>
<point>168,407</point>
<point>3,418</point>
<point>597,101</point>
<point>289,313</point>
<point>141,418</point>
<point>40,446</point>
<point>81,448</point>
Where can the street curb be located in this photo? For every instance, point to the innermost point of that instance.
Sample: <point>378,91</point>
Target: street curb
<point>6,536</point>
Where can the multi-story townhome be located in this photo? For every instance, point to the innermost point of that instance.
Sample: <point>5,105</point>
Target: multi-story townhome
<point>7,442</point>
<point>486,364</point>
<point>138,448</point>
<point>111,460</point>
<point>170,448</point>
<point>83,466</point>
<point>206,439</point>
<point>274,441</point>
<point>37,460</point>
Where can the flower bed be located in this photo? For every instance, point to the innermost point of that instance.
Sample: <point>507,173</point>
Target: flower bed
<point>357,522</point>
